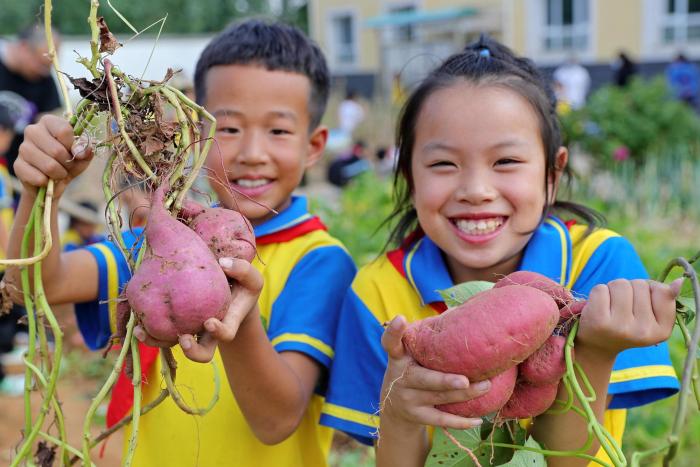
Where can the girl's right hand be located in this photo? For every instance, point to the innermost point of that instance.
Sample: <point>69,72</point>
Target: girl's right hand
<point>50,151</point>
<point>410,392</point>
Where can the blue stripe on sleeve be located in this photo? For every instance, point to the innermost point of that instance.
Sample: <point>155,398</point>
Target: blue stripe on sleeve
<point>305,314</point>
<point>352,401</point>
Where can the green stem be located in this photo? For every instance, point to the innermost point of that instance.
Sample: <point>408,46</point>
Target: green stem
<point>694,377</point>
<point>64,445</point>
<point>136,381</point>
<point>175,394</point>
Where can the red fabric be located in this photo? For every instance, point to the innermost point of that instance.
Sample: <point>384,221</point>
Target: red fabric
<point>123,392</point>
<point>292,232</point>
<point>570,223</point>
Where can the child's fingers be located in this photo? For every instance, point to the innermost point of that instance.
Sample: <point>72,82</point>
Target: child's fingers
<point>59,128</point>
<point>226,330</point>
<point>434,417</point>
<point>142,336</point>
<point>418,377</point>
<point>81,149</point>
<point>641,306</point>
<point>243,272</point>
<point>431,398</point>
<point>49,152</point>
<point>29,174</point>
<point>391,339</point>
<point>201,350</point>
<point>621,300</point>
<point>663,302</point>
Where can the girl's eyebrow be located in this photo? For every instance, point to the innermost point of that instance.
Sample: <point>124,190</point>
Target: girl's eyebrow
<point>438,146</point>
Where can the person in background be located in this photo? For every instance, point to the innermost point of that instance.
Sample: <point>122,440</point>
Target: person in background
<point>350,113</point>
<point>575,82</point>
<point>26,81</point>
<point>624,69</point>
<point>82,231</point>
<point>349,166</point>
<point>11,385</point>
<point>683,78</point>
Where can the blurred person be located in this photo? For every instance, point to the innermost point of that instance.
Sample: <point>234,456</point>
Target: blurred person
<point>82,231</point>
<point>386,160</point>
<point>624,69</point>
<point>135,202</point>
<point>350,113</point>
<point>26,81</point>
<point>575,82</point>
<point>12,385</point>
<point>348,166</point>
<point>683,78</point>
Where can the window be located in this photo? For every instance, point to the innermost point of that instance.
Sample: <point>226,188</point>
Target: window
<point>404,33</point>
<point>567,26</point>
<point>343,35</point>
<point>682,21</point>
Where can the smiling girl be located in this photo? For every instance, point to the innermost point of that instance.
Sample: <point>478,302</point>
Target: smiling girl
<point>480,163</point>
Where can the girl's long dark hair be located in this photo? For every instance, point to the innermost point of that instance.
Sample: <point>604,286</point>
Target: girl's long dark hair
<point>483,63</point>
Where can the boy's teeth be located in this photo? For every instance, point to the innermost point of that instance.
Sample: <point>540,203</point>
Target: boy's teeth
<point>248,183</point>
<point>479,227</point>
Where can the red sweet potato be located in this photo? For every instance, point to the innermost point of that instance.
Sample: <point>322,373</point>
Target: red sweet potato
<point>547,365</point>
<point>529,401</point>
<point>560,294</point>
<point>227,232</point>
<point>486,335</point>
<point>179,284</point>
<point>571,311</point>
<point>501,389</point>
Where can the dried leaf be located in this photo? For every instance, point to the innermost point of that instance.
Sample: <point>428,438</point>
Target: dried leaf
<point>108,43</point>
<point>152,145</point>
<point>95,90</point>
<point>5,300</point>
<point>45,454</point>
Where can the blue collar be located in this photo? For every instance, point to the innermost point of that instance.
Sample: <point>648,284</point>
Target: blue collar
<point>548,252</point>
<point>296,213</point>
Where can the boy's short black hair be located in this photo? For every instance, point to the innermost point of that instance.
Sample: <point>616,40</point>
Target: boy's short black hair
<point>273,45</point>
<point>7,121</point>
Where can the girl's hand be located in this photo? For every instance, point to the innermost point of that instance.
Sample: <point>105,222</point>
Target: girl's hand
<point>410,392</point>
<point>244,305</point>
<point>50,151</point>
<point>625,314</point>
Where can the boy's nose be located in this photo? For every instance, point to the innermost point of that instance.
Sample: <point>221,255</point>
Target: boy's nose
<point>252,151</point>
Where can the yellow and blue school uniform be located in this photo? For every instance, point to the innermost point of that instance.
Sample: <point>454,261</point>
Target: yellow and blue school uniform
<point>405,281</point>
<point>307,273</point>
<point>7,212</point>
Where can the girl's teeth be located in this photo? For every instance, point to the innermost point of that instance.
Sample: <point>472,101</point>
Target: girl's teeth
<point>247,183</point>
<point>480,227</point>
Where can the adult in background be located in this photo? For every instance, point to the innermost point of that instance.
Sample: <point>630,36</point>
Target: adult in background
<point>26,84</point>
<point>683,78</point>
<point>624,69</point>
<point>350,113</point>
<point>575,81</point>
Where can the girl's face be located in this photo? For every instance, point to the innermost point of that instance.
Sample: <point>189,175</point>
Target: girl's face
<point>478,167</point>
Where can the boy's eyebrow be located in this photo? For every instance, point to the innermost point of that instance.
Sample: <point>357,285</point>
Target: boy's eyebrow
<point>275,113</point>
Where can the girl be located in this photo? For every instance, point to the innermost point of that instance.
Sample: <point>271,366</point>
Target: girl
<point>480,162</point>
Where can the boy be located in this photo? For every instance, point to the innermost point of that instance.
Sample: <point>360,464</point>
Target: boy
<point>267,85</point>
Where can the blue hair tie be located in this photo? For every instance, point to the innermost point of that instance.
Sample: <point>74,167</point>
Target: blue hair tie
<point>486,53</point>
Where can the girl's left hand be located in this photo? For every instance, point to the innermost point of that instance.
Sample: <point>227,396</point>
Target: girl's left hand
<point>625,314</point>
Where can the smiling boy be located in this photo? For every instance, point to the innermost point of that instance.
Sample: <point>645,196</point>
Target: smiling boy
<point>267,85</point>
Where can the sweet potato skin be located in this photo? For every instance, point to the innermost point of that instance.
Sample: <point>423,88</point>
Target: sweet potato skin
<point>501,389</point>
<point>560,294</point>
<point>179,284</point>
<point>547,365</point>
<point>529,401</point>
<point>227,232</point>
<point>489,333</point>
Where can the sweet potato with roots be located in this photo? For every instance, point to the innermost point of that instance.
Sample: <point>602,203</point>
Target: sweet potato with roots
<point>547,365</point>
<point>529,400</point>
<point>559,293</point>
<point>227,232</point>
<point>179,284</point>
<point>489,333</point>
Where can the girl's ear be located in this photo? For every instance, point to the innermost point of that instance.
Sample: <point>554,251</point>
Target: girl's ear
<point>317,144</point>
<point>560,161</point>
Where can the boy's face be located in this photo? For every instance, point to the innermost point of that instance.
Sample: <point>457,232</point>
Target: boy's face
<point>263,142</point>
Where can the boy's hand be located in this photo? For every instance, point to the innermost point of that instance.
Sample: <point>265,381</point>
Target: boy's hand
<point>50,151</point>
<point>244,301</point>
<point>625,314</point>
<point>410,392</point>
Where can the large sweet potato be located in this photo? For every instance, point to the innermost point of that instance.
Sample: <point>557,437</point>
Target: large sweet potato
<point>529,401</point>
<point>179,284</point>
<point>547,365</point>
<point>560,294</point>
<point>489,333</point>
<point>501,389</point>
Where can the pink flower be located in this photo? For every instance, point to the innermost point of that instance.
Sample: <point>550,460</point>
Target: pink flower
<point>621,153</point>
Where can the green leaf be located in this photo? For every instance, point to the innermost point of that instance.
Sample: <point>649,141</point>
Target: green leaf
<point>444,453</point>
<point>455,296</point>
<point>686,306</point>
<point>524,458</point>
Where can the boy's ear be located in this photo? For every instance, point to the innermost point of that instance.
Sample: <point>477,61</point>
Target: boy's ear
<point>560,161</point>
<point>317,144</point>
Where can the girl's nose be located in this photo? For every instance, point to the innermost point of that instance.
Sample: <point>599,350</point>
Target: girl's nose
<point>475,188</point>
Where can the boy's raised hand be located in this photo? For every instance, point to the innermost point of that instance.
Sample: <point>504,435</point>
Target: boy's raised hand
<point>410,392</point>
<point>244,301</point>
<point>625,314</point>
<point>51,151</point>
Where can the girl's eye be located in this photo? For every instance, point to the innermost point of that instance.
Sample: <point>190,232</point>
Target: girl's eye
<point>506,161</point>
<point>442,164</point>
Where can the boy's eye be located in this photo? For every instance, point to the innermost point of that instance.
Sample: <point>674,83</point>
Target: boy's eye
<point>229,130</point>
<point>280,131</point>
